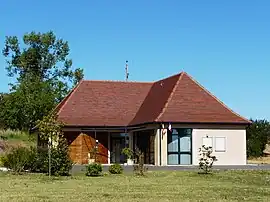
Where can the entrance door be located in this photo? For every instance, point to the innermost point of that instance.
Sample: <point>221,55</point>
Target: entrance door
<point>145,142</point>
<point>179,147</point>
<point>117,144</point>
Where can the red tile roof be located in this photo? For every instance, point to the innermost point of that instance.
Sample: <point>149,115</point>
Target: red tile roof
<point>103,103</point>
<point>178,98</point>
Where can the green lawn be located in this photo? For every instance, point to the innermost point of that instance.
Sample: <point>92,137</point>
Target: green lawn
<point>156,186</point>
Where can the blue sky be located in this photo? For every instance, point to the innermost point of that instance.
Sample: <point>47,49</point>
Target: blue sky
<point>224,45</point>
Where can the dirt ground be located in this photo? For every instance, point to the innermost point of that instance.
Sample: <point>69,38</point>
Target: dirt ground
<point>260,160</point>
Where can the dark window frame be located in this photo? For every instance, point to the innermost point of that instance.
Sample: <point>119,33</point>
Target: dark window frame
<point>182,132</point>
<point>145,145</point>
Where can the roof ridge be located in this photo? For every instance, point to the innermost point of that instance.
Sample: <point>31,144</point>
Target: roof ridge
<point>171,95</point>
<point>118,81</point>
<point>179,73</point>
<point>68,96</point>
<point>218,100</point>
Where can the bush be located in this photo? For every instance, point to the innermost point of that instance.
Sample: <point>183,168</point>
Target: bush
<point>60,160</point>
<point>61,163</point>
<point>206,159</point>
<point>115,169</point>
<point>139,168</point>
<point>1,161</point>
<point>37,160</point>
<point>19,159</point>
<point>94,169</point>
<point>40,164</point>
<point>127,152</point>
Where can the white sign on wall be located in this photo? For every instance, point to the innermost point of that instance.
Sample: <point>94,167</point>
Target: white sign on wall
<point>207,141</point>
<point>220,144</point>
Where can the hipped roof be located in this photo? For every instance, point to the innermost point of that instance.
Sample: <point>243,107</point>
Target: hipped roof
<point>176,99</point>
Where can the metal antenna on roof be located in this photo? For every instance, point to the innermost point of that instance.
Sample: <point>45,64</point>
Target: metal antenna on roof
<point>127,74</point>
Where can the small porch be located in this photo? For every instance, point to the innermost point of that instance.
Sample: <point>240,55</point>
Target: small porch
<point>109,144</point>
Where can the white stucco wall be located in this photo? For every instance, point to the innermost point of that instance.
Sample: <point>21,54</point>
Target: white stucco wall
<point>161,141</point>
<point>157,148</point>
<point>235,141</point>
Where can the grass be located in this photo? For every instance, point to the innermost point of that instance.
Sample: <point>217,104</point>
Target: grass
<point>13,135</point>
<point>11,138</point>
<point>260,160</point>
<point>156,186</point>
<point>14,138</point>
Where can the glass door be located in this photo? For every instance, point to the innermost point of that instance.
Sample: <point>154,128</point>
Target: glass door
<point>179,147</point>
<point>117,145</point>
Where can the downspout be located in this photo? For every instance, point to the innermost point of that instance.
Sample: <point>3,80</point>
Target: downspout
<point>126,137</point>
<point>159,147</point>
<point>96,146</point>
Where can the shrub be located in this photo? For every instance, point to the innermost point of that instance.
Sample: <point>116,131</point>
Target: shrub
<point>40,160</point>
<point>94,169</point>
<point>37,160</point>
<point>19,159</point>
<point>127,152</point>
<point>139,168</point>
<point>115,169</point>
<point>206,159</point>
<point>1,161</point>
<point>61,163</point>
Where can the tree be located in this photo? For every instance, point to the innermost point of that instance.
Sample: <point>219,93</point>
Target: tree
<point>50,131</point>
<point>258,134</point>
<point>22,108</point>
<point>206,159</point>
<point>43,75</point>
<point>2,101</point>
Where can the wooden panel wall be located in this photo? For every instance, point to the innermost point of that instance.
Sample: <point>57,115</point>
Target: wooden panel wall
<point>80,144</point>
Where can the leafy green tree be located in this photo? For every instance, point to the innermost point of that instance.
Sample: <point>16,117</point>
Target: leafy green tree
<point>50,130</point>
<point>43,75</point>
<point>258,134</point>
<point>2,101</point>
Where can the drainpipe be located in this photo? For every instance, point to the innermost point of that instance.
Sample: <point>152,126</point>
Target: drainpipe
<point>126,138</point>
<point>159,147</point>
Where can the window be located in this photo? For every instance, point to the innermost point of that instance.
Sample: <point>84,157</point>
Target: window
<point>220,144</point>
<point>179,146</point>
<point>207,141</point>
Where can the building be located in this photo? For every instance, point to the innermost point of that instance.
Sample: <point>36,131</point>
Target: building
<point>168,120</point>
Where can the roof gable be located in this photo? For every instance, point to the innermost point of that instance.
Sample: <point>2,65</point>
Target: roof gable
<point>190,102</point>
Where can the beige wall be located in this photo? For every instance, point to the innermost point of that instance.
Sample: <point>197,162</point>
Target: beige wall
<point>164,149</point>
<point>235,140</point>
<point>163,144</point>
<point>157,150</point>
<point>235,143</point>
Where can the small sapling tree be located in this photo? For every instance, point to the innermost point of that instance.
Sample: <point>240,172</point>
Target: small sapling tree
<point>50,130</point>
<point>206,159</point>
